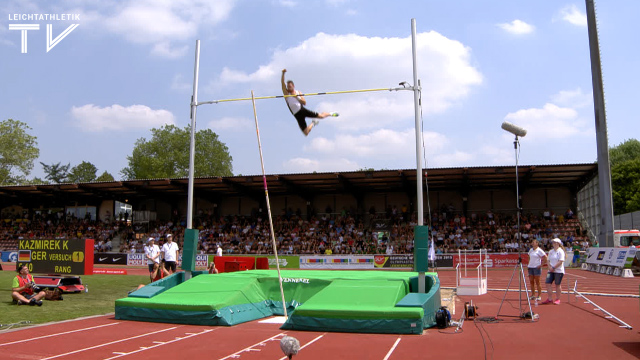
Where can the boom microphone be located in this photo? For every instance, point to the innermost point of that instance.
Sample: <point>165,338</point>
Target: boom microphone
<point>514,129</point>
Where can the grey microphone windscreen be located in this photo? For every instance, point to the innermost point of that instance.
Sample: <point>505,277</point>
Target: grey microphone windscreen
<point>514,129</point>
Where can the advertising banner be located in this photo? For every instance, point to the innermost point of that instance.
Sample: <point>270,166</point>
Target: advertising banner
<point>202,260</point>
<point>109,271</point>
<point>136,260</point>
<point>610,256</point>
<point>393,261</point>
<point>57,256</point>
<point>492,260</point>
<point>286,262</point>
<point>110,259</point>
<point>9,256</point>
<point>405,261</point>
<point>337,262</point>
<point>139,260</point>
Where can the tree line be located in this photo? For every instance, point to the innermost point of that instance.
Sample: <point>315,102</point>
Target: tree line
<point>164,155</point>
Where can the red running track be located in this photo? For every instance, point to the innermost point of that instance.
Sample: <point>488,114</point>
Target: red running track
<point>588,282</point>
<point>575,330</point>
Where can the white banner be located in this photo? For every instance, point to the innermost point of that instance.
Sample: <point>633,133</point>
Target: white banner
<point>140,260</point>
<point>345,262</point>
<point>202,260</point>
<point>136,260</point>
<point>609,256</point>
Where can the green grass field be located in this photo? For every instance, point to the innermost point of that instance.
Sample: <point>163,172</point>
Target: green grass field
<point>100,300</point>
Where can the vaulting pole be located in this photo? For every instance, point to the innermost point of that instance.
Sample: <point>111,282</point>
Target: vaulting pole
<point>266,195</point>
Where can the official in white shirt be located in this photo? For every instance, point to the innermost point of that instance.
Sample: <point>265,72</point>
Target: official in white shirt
<point>170,252</point>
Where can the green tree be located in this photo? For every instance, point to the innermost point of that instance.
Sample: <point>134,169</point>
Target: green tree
<point>56,172</point>
<point>625,176</point>
<point>166,155</point>
<point>105,177</point>
<point>18,151</point>
<point>628,150</point>
<point>83,172</point>
<point>625,182</point>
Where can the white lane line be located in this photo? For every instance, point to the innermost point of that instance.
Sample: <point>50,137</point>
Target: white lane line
<point>248,348</point>
<point>110,343</point>
<point>58,334</point>
<point>578,276</point>
<point>392,349</point>
<point>155,346</point>
<point>305,345</point>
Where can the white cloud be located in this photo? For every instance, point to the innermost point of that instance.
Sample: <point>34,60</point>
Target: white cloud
<point>179,83</point>
<point>163,23</point>
<point>383,143</point>
<point>551,122</point>
<point>287,3</point>
<point>164,49</point>
<point>116,117</point>
<point>517,27</point>
<point>456,158</point>
<point>573,98</point>
<point>305,165</point>
<point>573,16</point>
<point>342,62</point>
<point>231,123</point>
<point>336,3</point>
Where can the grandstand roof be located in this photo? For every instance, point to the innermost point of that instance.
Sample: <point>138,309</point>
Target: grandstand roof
<point>308,185</point>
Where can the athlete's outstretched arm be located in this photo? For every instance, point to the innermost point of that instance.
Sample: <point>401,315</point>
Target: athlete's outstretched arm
<point>284,84</point>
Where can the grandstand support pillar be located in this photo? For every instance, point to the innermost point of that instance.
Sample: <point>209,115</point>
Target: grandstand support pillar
<point>605,235</point>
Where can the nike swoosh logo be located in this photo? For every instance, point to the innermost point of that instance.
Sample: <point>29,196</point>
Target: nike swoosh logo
<point>116,259</point>
<point>102,259</point>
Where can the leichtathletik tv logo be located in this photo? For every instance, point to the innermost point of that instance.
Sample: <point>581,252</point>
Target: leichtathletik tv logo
<point>25,23</point>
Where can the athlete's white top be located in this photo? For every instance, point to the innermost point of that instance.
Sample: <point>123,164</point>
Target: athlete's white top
<point>170,250</point>
<point>294,103</point>
<point>556,259</point>
<point>535,257</point>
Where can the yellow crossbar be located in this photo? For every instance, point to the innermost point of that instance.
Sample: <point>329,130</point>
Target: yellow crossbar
<point>309,94</point>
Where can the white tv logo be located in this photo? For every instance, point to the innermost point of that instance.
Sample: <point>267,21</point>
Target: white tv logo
<point>51,42</point>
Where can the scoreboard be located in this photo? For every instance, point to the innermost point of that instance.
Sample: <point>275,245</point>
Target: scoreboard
<point>56,256</point>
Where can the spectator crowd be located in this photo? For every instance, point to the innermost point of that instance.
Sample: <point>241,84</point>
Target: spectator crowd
<point>388,232</point>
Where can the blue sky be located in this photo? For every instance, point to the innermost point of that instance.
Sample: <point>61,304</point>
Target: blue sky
<point>128,67</point>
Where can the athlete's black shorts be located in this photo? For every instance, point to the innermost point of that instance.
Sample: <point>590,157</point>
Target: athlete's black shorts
<point>302,115</point>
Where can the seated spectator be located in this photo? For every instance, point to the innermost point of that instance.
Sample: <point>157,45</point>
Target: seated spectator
<point>23,289</point>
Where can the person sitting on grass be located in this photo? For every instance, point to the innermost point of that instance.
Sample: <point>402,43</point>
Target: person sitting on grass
<point>22,290</point>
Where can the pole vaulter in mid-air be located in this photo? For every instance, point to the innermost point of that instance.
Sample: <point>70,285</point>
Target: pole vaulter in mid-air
<point>297,107</point>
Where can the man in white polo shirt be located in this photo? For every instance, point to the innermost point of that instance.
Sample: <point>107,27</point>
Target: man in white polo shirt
<point>170,251</point>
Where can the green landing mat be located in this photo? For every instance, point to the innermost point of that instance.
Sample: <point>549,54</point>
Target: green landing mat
<point>319,300</point>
